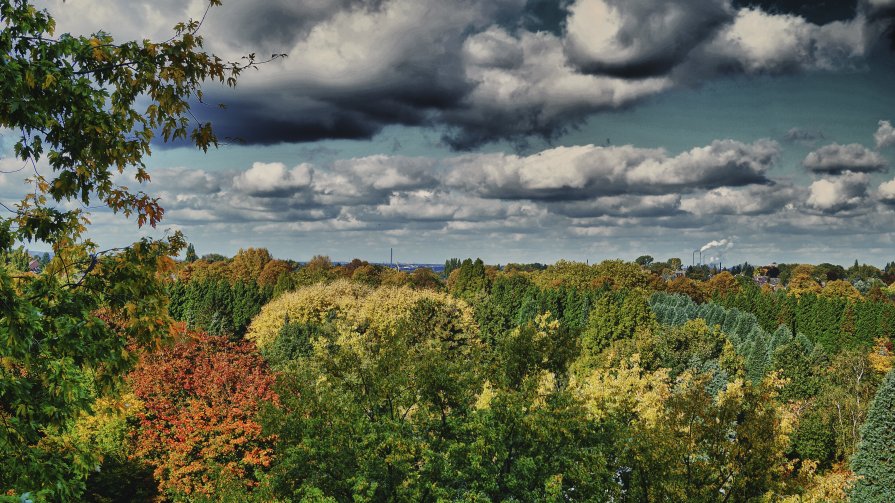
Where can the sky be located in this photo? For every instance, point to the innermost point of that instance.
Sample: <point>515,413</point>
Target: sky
<point>528,130</point>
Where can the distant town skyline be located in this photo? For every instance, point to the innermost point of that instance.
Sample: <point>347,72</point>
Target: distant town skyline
<point>527,131</point>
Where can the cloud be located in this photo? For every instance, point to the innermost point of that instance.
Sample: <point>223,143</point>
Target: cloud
<point>757,42</point>
<point>878,8</point>
<point>840,194</point>
<point>620,206</point>
<point>639,38</point>
<point>365,67</point>
<point>751,200</point>
<point>835,159</point>
<point>195,181</point>
<point>445,206</point>
<point>695,41</point>
<point>802,135</point>
<point>585,200</point>
<point>382,172</point>
<point>582,172</point>
<point>273,179</point>
<point>371,179</point>
<point>885,135</point>
<point>580,183</point>
<point>522,85</point>
<point>886,192</point>
<point>471,68</point>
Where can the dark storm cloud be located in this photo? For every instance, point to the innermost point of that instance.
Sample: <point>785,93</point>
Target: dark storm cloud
<point>523,86</point>
<point>482,70</point>
<point>466,67</point>
<point>361,67</point>
<point>354,114</point>
<point>247,122</point>
<point>273,24</point>
<point>835,159</point>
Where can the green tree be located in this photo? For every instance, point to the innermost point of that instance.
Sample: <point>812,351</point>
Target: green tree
<point>694,342</point>
<point>191,253</point>
<point>91,107</point>
<point>814,438</point>
<point>16,260</point>
<point>615,316</point>
<point>449,266</point>
<point>285,283</point>
<point>873,461</point>
<point>371,414</point>
<point>214,257</point>
<point>470,280</point>
<point>644,260</point>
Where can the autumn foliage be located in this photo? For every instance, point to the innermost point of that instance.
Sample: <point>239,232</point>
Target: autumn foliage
<point>198,427</point>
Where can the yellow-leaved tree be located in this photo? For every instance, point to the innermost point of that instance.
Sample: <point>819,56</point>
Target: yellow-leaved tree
<point>349,303</point>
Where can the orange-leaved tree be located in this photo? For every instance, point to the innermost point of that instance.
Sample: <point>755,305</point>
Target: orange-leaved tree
<point>198,427</point>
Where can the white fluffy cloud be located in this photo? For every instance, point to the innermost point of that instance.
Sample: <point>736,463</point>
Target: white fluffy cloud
<point>723,184</point>
<point>885,135</point>
<point>842,193</point>
<point>589,171</point>
<point>886,192</point>
<point>273,179</point>
<point>581,182</point>
<point>694,40</point>
<point>761,42</point>
<point>752,200</point>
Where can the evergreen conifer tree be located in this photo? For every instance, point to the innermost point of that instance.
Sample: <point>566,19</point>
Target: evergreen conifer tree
<point>874,462</point>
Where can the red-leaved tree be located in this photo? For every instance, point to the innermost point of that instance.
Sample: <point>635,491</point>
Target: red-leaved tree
<point>198,429</point>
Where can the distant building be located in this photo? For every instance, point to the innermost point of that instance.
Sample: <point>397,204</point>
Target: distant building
<point>668,276</point>
<point>34,266</point>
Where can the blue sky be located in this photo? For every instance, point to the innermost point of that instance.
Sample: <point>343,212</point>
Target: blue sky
<point>532,131</point>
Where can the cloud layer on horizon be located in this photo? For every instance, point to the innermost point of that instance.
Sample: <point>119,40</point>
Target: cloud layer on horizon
<point>569,192</point>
